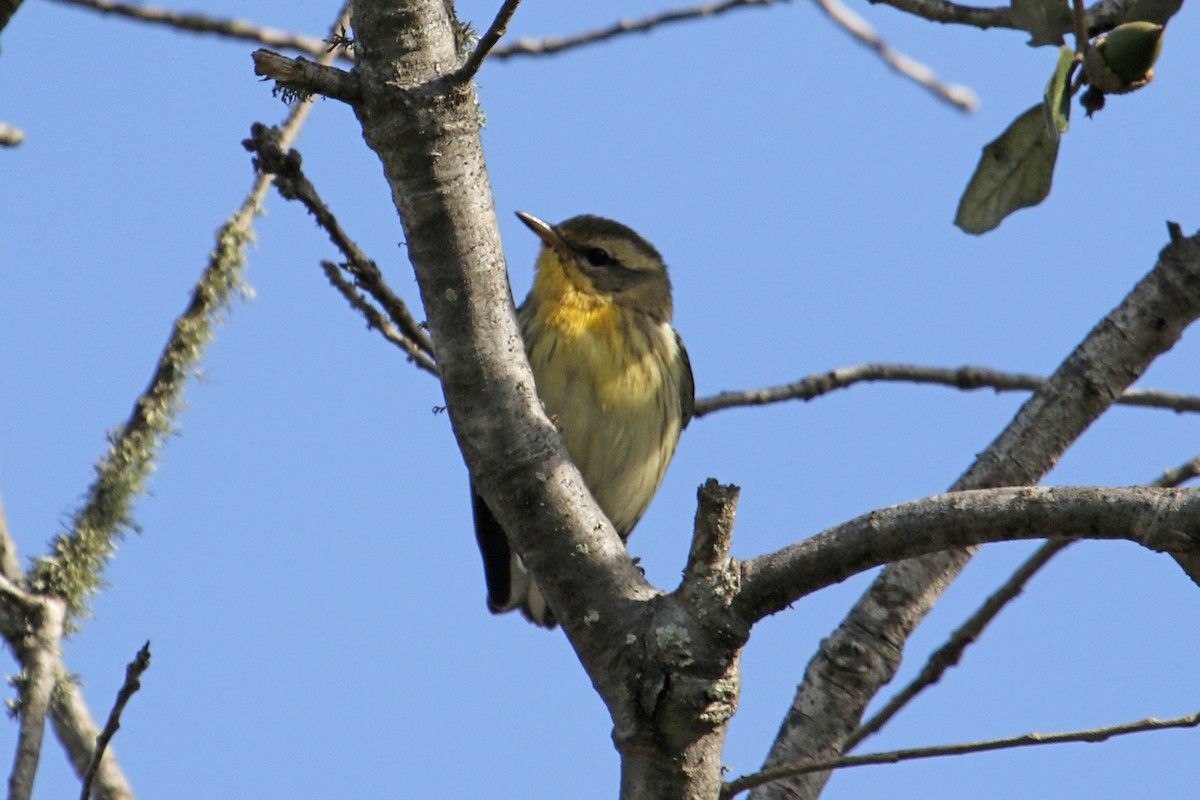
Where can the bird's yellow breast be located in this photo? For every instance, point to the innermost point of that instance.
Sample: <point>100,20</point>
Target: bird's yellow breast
<point>612,381</point>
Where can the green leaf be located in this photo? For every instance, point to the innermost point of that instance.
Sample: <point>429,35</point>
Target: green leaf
<point>1046,20</point>
<point>1057,102</point>
<point>1014,172</point>
<point>1157,11</point>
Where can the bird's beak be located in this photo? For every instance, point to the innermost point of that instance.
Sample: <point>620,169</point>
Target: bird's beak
<point>544,231</point>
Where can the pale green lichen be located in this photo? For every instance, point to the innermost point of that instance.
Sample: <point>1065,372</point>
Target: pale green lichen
<point>74,569</point>
<point>674,643</point>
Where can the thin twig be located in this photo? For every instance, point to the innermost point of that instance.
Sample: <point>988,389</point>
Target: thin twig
<point>486,42</point>
<point>896,756</point>
<point>949,654</point>
<point>294,185</point>
<point>1079,19</point>
<point>77,732</point>
<point>133,682</point>
<point>960,97</point>
<point>228,28</point>
<point>968,377</point>
<point>556,44</point>
<point>376,319</point>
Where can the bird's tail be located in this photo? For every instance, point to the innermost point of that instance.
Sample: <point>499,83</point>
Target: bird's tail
<point>510,585</point>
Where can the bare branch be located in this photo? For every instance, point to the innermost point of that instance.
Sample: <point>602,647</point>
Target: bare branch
<point>376,318</point>
<point>1090,735</point>
<point>77,731</point>
<point>556,44</point>
<point>10,562</point>
<point>301,78</point>
<point>1100,17</point>
<point>966,377</point>
<point>960,97</point>
<point>835,691</point>
<point>488,41</point>
<point>1164,520</point>
<point>38,651</point>
<point>201,23</point>
<point>292,184</point>
<point>713,534</point>
<point>133,682</point>
<point>949,654</point>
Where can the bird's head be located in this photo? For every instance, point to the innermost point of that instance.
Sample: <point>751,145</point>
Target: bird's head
<point>605,259</point>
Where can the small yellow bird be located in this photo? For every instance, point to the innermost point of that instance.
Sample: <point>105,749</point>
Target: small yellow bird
<point>611,372</point>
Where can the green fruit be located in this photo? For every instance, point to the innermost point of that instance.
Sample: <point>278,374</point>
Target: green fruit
<point>1131,49</point>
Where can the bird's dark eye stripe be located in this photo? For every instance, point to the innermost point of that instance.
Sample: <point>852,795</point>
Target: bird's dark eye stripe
<point>597,257</point>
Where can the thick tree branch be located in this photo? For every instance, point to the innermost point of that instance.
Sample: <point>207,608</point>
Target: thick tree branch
<point>864,652</point>
<point>38,651</point>
<point>949,654</point>
<point>966,377</point>
<point>1164,520</point>
<point>669,682</point>
<point>1090,735</point>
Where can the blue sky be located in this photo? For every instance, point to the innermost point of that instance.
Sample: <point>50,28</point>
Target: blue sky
<point>307,572</point>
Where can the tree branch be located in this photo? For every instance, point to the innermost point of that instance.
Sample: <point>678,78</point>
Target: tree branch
<point>75,568</point>
<point>959,97</point>
<point>556,44</point>
<point>376,319</point>
<point>1090,735</point>
<point>949,654</point>
<point>201,23</point>
<point>1164,520</point>
<point>488,41</point>
<point>864,652</point>
<point>38,652</point>
<point>133,682</point>
<point>712,537</point>
<point>966,377</point>
<point>77,732</point>
<point>293,184</point>
<point>301,78</point>
<point>1101,17</point>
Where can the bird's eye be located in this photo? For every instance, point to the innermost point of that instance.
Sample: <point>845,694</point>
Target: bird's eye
<point>597,257</point>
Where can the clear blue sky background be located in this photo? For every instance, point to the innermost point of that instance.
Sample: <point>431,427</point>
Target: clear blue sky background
<point>307,571</point>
